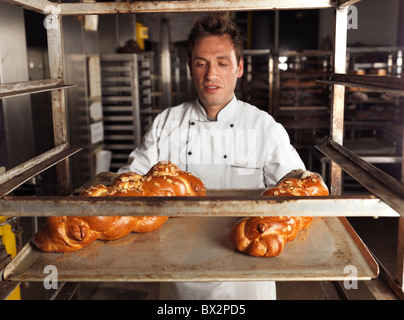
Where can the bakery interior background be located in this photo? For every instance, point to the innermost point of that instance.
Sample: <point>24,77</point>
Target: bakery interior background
<point>28,133</point>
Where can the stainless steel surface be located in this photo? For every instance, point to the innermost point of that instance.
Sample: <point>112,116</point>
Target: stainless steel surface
<point>320,253</point>
<point>17,176</point>
<point>16,126</point>
<point>79,124</point>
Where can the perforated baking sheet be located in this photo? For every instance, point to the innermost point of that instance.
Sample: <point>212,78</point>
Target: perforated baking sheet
<point>198,249</point>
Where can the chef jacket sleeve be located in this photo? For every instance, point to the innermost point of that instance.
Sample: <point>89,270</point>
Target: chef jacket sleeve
<point>282,157</point>
<point>300,174</point>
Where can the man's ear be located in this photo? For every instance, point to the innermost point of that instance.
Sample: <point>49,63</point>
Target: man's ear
<point>240,70</point>
<point>190,67</point>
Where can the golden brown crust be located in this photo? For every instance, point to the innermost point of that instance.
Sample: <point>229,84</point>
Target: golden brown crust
<point>98,190</point>
<point>67,234</point>
<point>64,234</point>
<point>267,236</point>
<point>312,185</point>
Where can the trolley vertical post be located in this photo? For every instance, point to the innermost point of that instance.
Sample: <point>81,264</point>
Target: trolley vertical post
<point>56,68</point>
<point>338,94</point>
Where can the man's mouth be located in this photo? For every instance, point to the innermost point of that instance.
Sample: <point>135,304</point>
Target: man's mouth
<point>211,88</point>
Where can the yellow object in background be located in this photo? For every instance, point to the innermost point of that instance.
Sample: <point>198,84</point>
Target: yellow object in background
<point>8,239</point>
<point>141,34</point>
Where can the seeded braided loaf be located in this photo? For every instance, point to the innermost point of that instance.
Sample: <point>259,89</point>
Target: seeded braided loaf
<point>68,234</point>
<point>267,236</point>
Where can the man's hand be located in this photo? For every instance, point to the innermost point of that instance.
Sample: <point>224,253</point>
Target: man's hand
<point>299,174</point>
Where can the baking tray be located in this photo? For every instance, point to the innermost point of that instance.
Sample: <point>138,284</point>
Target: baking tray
<point>199,249</point>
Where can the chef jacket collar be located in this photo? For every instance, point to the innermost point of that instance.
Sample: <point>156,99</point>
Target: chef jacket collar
<point>224,114</point>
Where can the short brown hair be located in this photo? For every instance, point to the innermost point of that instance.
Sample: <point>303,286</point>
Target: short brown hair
<point>216,24</point>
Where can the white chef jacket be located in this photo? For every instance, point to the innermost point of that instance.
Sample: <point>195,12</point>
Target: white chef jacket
<point>245,148</point>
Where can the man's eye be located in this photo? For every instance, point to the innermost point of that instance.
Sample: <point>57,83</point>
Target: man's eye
<point>200,64</point>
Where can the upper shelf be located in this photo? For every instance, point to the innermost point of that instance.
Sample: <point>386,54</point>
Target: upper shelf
<point>217,203</point>
<point>239,205</point>
<point>27,87</point>
<point>15,177</point>
<point>374,83</point>
<point>44,6</point>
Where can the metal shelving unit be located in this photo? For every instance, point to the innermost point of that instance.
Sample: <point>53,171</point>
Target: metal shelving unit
<point>300,102</point>
<point>373,59</point>
<point>127,102</point>
<point>255,84</point>
<point>374,116</point>
<point>388,198</point>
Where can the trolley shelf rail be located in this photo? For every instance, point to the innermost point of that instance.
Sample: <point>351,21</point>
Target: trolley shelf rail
<point>390,85</point>
<point>213,206</point>
<point>44,6</point>
<point>27,87</point>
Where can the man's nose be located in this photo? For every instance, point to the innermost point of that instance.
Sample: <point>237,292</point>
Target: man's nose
<point>211,72</point>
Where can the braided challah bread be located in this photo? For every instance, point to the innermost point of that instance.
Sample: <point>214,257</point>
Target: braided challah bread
<point>68,234</point>
<point>267,236</point>
<point>299,183</point>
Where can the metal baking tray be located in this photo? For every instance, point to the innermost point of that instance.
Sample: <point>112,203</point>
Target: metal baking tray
<point>199,249</point>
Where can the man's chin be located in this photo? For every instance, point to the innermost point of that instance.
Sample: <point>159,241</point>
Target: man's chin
<point>211,101</point>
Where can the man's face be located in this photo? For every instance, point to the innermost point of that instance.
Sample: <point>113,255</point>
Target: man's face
<point>215,71</point>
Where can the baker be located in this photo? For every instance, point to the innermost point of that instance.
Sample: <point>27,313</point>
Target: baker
<point>223,141</point>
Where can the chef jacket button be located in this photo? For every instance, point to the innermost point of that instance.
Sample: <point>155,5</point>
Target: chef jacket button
<point>231,125</point>
<point>225,156</point>
<point>192,123</point>
<point>189,152</point>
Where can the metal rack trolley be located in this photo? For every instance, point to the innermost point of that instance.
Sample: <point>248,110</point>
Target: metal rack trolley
<point>388,194</point>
